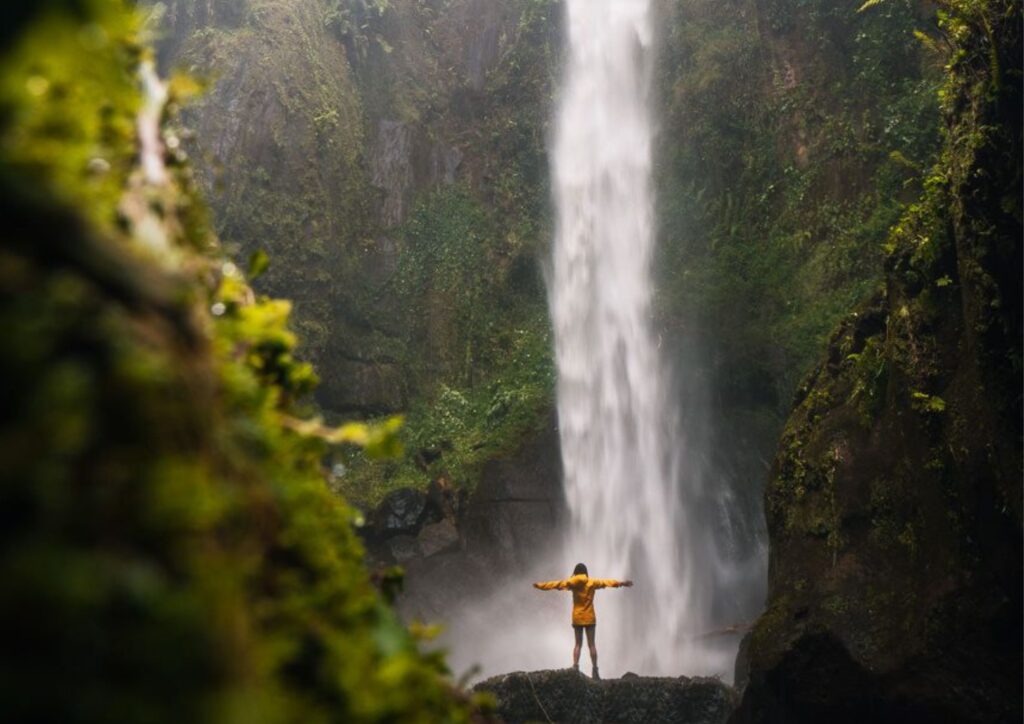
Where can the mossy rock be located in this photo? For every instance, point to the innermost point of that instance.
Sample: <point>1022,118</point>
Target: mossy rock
<point>171,550</point>
<point>912,599</point>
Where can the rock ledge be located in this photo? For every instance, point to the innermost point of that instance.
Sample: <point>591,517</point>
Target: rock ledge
<point>565,695</point>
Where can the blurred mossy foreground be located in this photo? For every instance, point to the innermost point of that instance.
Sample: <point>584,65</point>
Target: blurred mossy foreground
<point>170,551</point>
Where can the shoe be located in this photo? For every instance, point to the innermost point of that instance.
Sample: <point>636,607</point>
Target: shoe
<point>595,674</point>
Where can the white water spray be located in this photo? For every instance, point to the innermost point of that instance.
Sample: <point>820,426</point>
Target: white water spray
<point>635,514</point>
<point>681,520</point>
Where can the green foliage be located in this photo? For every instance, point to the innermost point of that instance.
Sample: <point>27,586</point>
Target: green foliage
<point>170,549</point>
<point>69,126</point>
<point>779,187</point>
<point>347,17</point>
<point>259,262</point>
<point>452,433</point>
<point>927,403</point>
<point>445,239</point>
<point>351,21</point>
<point>919,388</point>
<point>870,379</point>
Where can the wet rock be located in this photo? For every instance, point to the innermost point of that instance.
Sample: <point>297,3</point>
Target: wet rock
<point>368,386</point>
<point>438,537</point>
<point>444,163</point>
<point>404,548</point>
<point>391,169</point>
<point>426,519</point>
<point>399,513</point>
<point>510,519</point>
<point>518,506</point>
<point>483,45</point>
<point>436,586</point>
<point>569,696</point>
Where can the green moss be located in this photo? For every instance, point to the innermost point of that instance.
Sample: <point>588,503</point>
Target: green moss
<point>800,171</point>
<point>840,606</point>
<point>771,625</point>
<point>870,378</point>
<point>929,467</point>
<point>453,433</point>
<point>69,128</point>
<point>171,551</point>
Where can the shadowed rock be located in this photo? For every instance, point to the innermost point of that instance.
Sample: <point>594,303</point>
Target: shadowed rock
<point>568,696</point>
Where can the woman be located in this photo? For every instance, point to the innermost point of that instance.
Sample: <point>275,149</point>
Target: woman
<point>583,617</point>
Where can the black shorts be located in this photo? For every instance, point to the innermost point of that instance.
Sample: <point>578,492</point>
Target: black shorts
<point>590,629</point>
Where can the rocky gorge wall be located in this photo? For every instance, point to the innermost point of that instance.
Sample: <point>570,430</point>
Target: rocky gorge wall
<point>894,505</point>
<point>330,129</point>
<point>467,559</point>
<point>792,134</point>
<point>390,159</point>
<point>390,156</point>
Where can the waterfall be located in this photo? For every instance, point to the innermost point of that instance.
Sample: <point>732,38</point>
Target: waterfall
<point>638,509</point>
<point>652,494</point>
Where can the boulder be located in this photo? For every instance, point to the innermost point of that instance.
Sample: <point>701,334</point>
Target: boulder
<point>404,548</point>
<point>438,537</point>
<point>400,513</point>
<point>517,509</point>
<point>434,589</point>
<point>569,696</point>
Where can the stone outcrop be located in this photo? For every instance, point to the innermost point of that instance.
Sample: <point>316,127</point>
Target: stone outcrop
<point>894,506</point>
<point>518,505</point>
<point>448,542</point>
<point>569,696</point>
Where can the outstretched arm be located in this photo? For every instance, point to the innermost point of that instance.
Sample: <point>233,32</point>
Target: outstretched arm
<point>610,583</point>
<point>551,585</point>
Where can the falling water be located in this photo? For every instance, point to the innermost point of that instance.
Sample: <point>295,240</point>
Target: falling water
<point>636,509</point>
<point>655,492</point>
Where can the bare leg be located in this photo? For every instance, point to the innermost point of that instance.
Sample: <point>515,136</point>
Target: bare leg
<point>592,645</point>
<point>578,632</point>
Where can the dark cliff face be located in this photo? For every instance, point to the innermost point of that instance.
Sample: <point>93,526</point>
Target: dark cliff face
<point>360,144</point>
<point>894,507</point>
<point>459,549</point>
<point>390,156</point>
<point>789,135</point>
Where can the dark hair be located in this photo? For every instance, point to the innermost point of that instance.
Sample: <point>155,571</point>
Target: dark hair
<point>580,568</point>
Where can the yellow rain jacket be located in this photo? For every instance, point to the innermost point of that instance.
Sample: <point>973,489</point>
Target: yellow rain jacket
<point>582,588</point>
